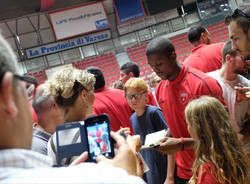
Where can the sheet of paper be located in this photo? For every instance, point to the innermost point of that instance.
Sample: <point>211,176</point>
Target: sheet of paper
<point>152,140</point>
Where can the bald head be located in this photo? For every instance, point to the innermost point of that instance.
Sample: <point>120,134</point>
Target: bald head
<point>42,101</point>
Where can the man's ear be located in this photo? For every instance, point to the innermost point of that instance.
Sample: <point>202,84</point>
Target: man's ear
<point>7,95</point>
<point>131,74</point>
<point>54,106</point>
<point>228,57</point>
<point>173,56</point>
<point>202,37</point>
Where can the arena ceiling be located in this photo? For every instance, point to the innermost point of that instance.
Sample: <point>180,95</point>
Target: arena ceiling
<point>16,8</point>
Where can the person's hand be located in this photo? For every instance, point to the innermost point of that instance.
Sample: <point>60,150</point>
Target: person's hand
<point>247,93</point>
<point>125,158</point>
<point>134,142</point>
<point>242,92</point>
<point>169,181</point>
<point>125,130</point>
<point>82,158</point>
<point>169,145</point>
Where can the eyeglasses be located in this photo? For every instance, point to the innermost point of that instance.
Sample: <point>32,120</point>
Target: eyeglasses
<point>136,96</point>
<point>238,13</point>
<point>29,81</point>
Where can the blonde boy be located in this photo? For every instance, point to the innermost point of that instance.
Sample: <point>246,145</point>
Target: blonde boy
<point>145,120</point>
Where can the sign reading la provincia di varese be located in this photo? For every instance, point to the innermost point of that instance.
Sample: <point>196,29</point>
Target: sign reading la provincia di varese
<point>67,44</point>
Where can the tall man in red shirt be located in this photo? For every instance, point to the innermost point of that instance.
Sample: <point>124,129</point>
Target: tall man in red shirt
<point>129,70</point>
<point>179,85</point>
<point>111,102</point>
<point>204,56</point>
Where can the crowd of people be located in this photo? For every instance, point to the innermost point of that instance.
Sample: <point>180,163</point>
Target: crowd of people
<point>202,106</point>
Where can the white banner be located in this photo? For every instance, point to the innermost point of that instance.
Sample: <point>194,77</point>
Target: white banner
<point>51,71</point>
<point>79,20</point>
<point>67,44</point>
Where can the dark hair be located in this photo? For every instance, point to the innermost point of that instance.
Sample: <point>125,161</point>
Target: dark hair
<point>67,102</point>
<point>97,72</point>
<point>227,49</point>
<point>194,33</point>
<point>242,18</point>
<point>160,45</point>
<point>131,67</point>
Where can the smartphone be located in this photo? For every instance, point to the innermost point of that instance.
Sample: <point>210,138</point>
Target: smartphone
<point>71,141</point>
<point>97,129</point>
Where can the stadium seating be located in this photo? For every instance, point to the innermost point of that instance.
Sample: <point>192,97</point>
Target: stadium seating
<point>218,31</point>
<point>108,63</point>
<point>40,76</point>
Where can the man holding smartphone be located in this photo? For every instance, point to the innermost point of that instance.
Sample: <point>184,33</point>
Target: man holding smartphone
<point>230,79</point>
<point>21,165</point>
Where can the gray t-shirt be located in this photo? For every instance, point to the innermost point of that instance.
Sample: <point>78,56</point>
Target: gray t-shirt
<point>40,140</point>
<point>238,108</point>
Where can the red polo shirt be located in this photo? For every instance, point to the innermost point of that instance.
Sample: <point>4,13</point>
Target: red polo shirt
<point>33,114</point>
<point>113,103</point>
<point>206,176</point>
<point>206,58</point>
<point>151,98</point>
<point>173,97</point>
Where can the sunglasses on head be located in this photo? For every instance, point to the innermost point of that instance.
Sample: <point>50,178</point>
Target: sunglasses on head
<point>28,80</point>
<point>238,13</point>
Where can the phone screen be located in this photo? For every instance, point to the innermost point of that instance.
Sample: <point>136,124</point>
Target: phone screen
<point>98,140</point>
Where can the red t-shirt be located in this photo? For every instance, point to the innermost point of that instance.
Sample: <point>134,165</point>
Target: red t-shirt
<point>205,175</point>
<point>33,114</point>
<point>151,98</point>
<point>173,97</point>
<point>206,58</point>
<point>113,103</point>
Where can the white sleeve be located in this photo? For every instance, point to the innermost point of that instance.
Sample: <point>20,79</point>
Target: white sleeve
<point>50,152</point>
<point>86,173</point>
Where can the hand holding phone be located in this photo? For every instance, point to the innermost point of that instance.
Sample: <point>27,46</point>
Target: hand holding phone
<point>242,92</point>
<point>91,135</point>
<point>71,141</point>
<point>125,158</point>
<point>98,137</point>
<point>241,89</point>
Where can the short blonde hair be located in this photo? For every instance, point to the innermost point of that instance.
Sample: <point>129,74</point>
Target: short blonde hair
<point>136,83</point>
<point>65,85</point>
